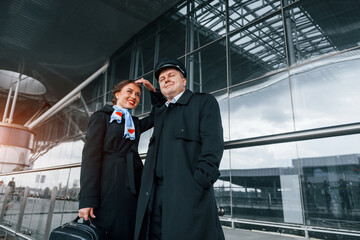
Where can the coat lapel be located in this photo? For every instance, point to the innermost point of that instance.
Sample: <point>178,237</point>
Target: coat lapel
<point>185,98</point>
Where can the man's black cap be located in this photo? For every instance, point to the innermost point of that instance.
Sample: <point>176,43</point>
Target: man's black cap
<point>168,62</point>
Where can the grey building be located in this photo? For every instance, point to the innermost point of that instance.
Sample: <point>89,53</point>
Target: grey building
<point>285,74</point>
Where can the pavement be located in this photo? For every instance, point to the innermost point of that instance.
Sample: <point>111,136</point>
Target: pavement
<point>237,234</point>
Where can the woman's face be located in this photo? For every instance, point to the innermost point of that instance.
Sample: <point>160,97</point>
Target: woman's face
<point>129,96</point>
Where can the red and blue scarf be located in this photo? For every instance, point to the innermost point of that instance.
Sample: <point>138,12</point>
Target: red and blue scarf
<point>118,114</point>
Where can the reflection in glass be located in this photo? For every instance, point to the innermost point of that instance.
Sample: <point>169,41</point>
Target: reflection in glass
<point>174,14</point>
<point>119,69</point>
<point>95,104</point>
<point>71,201</point>
<point>61,154</point>
<point>242,13</point>
<point>145,100</point>
<point>207,22</point>
<point>265,183</point>
<point>144,141</point>
<point>66,126</point>
<point>207,68</point>
<point>95,89</point>
<point>330,170</point>
<point>222,188</point>
<point>317,28</point>
<point>223,100</point>
<point>261,107</point>
<point>13,158</point>
<point>11,202</point>
<point>257,50</point>
<point>170,41</point>
<point>142,58</point>
<point>326,92</point>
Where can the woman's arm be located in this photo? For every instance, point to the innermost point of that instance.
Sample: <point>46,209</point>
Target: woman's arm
<point>91,164</point>
<point>157,100</point>
<point>146,84</point>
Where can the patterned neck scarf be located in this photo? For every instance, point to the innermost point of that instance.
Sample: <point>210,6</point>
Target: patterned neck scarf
<point>129,129</point>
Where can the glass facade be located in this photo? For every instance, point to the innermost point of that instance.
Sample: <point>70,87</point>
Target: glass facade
<point>285,74</point>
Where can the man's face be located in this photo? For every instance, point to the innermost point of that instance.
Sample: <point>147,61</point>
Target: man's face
<point>171,83</point>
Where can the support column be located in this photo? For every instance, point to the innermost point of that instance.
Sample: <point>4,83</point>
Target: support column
<point>7,103</point>
<point>51,213</point>
<point>22,209</point>
<point>14,99</point>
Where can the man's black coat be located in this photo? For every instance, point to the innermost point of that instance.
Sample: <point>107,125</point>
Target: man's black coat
<point>191,158</point>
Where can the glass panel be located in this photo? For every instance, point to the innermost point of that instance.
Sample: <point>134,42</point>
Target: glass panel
<point>13,158</point>
<point>206,69</point>
<point>94,90</point>
<point>222,186</point>
<point>145,100</point>
<point>171,40</point>
<point>223,101</point>
<point>244,12</point>
<point>144,55</point>
<point>206,24</point>
<point>62,185</point>
<point>63,153</point>
<point>120,68</point>
<point>257,49</point>
<point>95,104</point>
<point>330,171</point>
<point>321,27</point>
<point>6,181</point>
<point>145,107</point>
<point>288,2</point>
<point>144,141</point>
<point>41,185</point>
<point>3,184</point>
<point>261,107</point>
<point>13,201</point>
<point>78,122</point>
<point>71,201</point>
<point>76,151</point>
<point>173,14</point>
<point>326,92</point>
<point>265,183</point>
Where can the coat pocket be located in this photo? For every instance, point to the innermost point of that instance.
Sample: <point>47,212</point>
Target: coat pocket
<point>183,133</point>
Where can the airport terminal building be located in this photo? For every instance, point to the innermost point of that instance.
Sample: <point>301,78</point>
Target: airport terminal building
<point>285,74</point>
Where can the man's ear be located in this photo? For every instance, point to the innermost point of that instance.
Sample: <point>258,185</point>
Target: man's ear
<point>184,82</point>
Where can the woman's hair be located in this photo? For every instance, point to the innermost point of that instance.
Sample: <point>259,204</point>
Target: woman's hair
<point>119,86</point>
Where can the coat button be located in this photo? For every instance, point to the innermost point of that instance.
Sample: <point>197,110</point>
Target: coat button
<point>181,131</point>
<point>147,193</point>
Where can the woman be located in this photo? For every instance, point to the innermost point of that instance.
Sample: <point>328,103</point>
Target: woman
<point>111,167</point>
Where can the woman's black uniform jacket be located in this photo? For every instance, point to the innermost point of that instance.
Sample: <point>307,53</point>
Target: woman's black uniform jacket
<point>111,172</point>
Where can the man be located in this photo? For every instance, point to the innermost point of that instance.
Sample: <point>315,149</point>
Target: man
<point>176,199</point>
